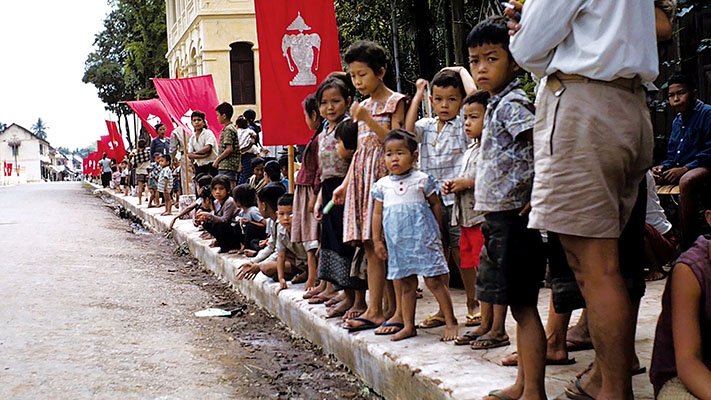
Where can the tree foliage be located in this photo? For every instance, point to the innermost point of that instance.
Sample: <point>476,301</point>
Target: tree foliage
<point>40,128</point>
<point>129,51</point>
<point>3,126</point>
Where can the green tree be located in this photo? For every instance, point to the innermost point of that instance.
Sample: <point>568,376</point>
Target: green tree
<point>40,128</point>
<point>3,126</point>
<point>128,53</point>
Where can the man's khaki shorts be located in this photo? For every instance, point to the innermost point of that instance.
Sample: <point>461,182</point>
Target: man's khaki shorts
<point>593,144</point>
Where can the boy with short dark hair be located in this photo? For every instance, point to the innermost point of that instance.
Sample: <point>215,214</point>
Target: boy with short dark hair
<point>512,264</point>
<point>442,143</point>
<point>228,161</point>
<point>165,182</point>
<point>265,260</point>
<point>291,257</point>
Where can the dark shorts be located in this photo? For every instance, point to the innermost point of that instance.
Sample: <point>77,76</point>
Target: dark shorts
<point>122,181</point>
<point>512,264</point>
<point>141,178</point>
<point>566,293</point>
<point>232,175</point>
<point>450,234</point>
<point>207,169</point>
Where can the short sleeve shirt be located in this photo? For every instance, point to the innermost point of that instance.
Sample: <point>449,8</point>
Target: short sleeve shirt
<point>165,180</point>
<point>105,165</point>
<point>463,213</point>
<point>332,166</point>
<point>284,243</point>
<point>414,187</point>
<point>228,137</point>
<point>505,167</point>
<point>441,153</point>
<point>253,214</point>
<point>197,143</point>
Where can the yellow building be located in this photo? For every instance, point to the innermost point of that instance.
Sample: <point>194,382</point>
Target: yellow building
<point>217,37</point>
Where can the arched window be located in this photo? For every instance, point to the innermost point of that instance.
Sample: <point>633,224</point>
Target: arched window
<point>242,72</point>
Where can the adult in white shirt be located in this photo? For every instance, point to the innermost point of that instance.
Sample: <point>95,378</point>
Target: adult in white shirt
<point>202,146</point>
<point>593,143</point>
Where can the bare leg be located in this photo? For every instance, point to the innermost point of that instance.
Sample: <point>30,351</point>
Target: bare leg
<point>359,306</point>
<point>439,288</point>
<point>140,192</point>
<point>312,263</point>
<point>397,316</point>
<point>407,288</point>
<point>469,279</point>
<point>318,289</point>
<point>376,282</point>
<point>596,266</point>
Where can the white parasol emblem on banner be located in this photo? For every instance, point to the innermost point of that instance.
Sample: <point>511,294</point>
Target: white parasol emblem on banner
<point>302,52</point>
<point>186,119</point>
<point>153,119</point>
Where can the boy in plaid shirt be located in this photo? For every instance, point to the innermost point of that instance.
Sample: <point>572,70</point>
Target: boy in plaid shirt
<point>165,182</point>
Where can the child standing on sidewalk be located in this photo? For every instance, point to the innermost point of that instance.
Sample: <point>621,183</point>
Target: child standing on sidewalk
<point>406,232</point>
<point>383,111</point>
<point>512,261</point>
<point>165,182</point>
<point>153,174</point>
<point>442,143</point>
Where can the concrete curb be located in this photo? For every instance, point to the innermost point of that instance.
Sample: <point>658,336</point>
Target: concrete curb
<point>374,359</point>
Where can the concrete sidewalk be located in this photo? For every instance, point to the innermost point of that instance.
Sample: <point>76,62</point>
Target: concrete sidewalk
<point>418,368</point>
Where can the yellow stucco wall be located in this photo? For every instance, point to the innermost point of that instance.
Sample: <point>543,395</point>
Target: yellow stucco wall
<point>199,36</point>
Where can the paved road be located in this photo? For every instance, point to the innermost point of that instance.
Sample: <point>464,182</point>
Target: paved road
<point>89,309</point>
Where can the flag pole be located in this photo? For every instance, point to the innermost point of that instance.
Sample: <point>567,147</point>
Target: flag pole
<point>185,167</point>
<point>291,169</point>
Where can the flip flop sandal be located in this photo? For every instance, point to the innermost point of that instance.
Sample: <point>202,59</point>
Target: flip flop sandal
<point>398,325</point>
<point>466,338</point>
<point>499,395</point>
<point>367,324</point>
<point>639,371</point>
<point>490,343</point>
<point>473,320</point>
<point>432,321</point>
<point>510,361</point>
<point>578,393</point>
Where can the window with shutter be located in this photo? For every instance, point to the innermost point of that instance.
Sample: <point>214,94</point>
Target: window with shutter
<point>242,73</point>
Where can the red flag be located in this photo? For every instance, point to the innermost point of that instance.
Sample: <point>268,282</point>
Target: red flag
<point>84,166</point>
<point>151,112</point>
<point>298,48</point>
<point>116,141</point>
<point>183,96</point>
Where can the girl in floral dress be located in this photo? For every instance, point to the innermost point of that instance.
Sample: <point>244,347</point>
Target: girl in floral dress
<point>381,112</point>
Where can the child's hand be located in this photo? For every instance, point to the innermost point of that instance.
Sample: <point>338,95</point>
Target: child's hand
<point>525,210</point>
<point>381,250</point>
<point>359,113</point>
<point>446,187</point>
<point>421,86</point>
<point>263,242</point>
<point>317,209</point>
<point>170,228</point>
<point>282,286</point>
<point>514,15</point>
<point>339,195</point>
<point>460,184</point>
<point>247,271</point>
<point>215,165</point>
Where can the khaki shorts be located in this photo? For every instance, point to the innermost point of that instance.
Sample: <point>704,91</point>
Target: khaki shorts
<point>592,144</point>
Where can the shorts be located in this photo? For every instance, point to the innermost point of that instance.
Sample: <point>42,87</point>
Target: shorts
<point>593,143</point>
<point>565,291</point>
<point>230,174</point>
<point>141,178</point>
<point>470,244</point>
<point>512,264</point>
<point>122,181</point>
<point>205,169</point>
<point>451,233</point>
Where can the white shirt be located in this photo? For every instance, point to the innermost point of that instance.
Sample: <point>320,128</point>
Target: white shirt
<point>655,212</point>
<point>598,39</point>
<point>245,139</point>
<point>198,143</point>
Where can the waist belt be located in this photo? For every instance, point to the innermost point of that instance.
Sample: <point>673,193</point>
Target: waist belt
<point>556,82</point>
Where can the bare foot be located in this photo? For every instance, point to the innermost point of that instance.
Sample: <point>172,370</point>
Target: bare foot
<point>450,332</point>
<point>339,309</point>
<point>404,334</point>
<point>250,253</point>
<point>315,291</point>
<point>205,236</point>
<point>235,251</point>
<point>166,213</point>
<point>354,312</point>
<point>334,299</point>
<point>213,243</point>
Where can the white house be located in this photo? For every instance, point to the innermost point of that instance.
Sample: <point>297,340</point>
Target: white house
<point>25,150</point>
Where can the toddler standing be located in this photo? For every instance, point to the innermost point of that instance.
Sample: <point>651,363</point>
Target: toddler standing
<point>406,232</point>
<point>165,182</point>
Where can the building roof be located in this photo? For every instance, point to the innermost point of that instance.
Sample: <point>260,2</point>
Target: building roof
<point>26,130</point>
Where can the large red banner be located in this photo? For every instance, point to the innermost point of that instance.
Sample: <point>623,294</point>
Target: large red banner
<point>298,48</point>
<point>152,112</point>
<point>115,142</point>
<point>183,96</point>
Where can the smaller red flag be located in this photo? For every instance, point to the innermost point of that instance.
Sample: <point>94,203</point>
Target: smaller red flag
<point>183,96</point>
<point>151,112</point>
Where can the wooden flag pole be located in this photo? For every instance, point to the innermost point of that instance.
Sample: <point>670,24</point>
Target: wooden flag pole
<point>185,167</point>
<point>291,169</point>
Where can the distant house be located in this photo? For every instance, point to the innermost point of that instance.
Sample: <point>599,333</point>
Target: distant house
<point>25,150</point>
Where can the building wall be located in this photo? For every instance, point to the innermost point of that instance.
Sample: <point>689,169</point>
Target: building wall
<point>28,155</point>
<point>199,36</point>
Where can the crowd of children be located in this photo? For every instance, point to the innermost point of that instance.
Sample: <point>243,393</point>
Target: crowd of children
<point>382,198</point>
